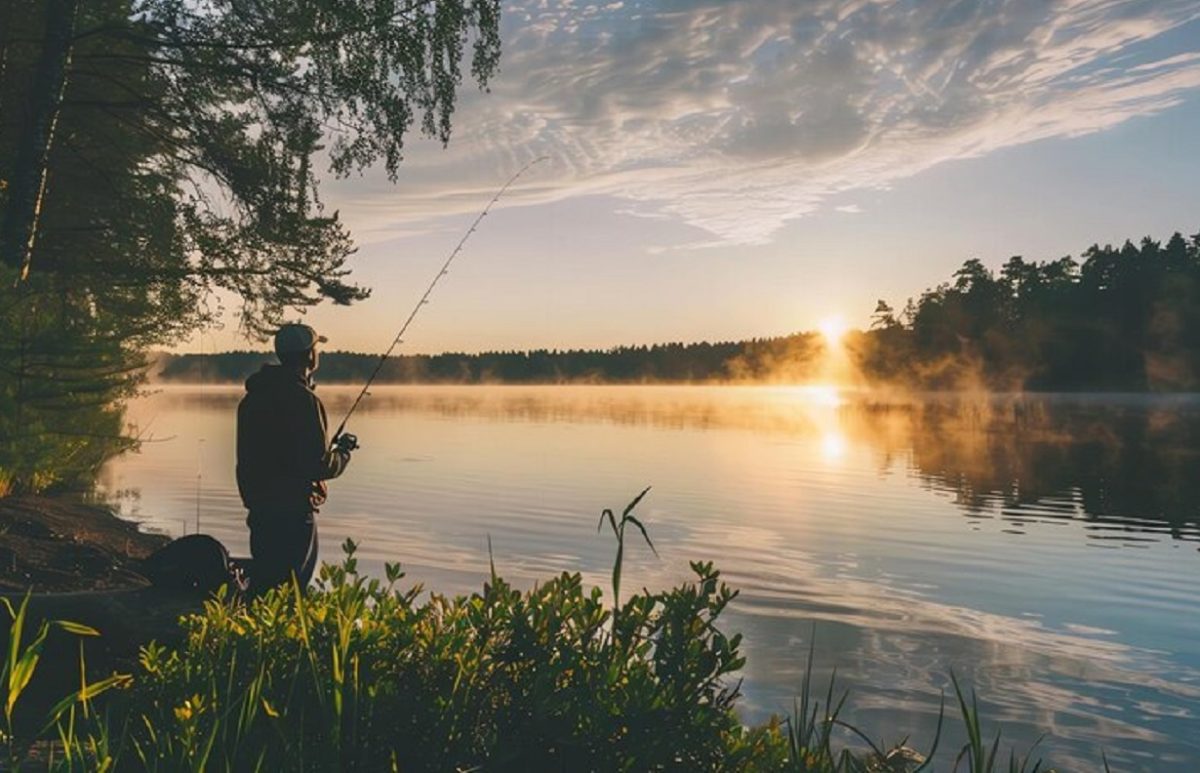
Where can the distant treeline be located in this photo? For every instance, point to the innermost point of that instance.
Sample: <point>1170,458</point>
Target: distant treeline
<point>1118,319</point>
<point>674,362</point>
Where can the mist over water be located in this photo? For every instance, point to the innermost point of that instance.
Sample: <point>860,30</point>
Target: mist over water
<point>1044,548</point>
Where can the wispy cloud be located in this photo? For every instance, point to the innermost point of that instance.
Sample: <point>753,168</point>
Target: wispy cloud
<point>738,116</point>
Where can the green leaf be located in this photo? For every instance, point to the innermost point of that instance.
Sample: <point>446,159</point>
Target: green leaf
<point>629,507</point>
<point>87,693</point>
<point>79,629</point>
<point>642,529</point>
<point>24,666</point>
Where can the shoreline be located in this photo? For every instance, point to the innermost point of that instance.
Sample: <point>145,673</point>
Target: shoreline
<point>80,562</point>
<point>881,392</point>
<point>62,544</point>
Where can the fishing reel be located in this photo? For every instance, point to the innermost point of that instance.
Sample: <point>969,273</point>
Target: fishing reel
<point>346,442</point>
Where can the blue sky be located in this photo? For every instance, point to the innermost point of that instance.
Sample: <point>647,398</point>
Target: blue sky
<point>729,169</point>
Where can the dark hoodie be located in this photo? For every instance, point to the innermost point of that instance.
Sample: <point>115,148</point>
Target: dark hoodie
<point>282,451</point>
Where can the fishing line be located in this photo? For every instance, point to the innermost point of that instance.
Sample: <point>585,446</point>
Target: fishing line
<point>200,441</point>
<point>445,269</point>
<point>199,478</point>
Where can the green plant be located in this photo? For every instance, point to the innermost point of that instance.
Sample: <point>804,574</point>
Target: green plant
<point>20,663</point>
<point>980,757</point>
<point>362,674</point>
<point>618,527</point>
<point>357,675</point>
<point>810,732</point>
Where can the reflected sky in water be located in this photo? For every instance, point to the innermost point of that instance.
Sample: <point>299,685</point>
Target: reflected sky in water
<point>1044,549</point>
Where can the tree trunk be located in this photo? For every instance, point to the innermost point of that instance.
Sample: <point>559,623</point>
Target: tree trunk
<point>27,187</point>
<point>5,27</point>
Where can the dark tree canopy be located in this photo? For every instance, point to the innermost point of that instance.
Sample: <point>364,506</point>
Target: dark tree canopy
<point>1120,319</point>
<point>784,357</point>
<point>200,130</point>
<point>156,155</point>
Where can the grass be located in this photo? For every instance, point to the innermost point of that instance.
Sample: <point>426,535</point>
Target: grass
<point>361,674</point>
<point>21,661</point>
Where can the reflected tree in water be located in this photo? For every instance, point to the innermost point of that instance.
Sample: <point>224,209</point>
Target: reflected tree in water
<point>1129,465</point>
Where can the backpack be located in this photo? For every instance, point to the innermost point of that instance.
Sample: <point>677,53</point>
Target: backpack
<point>195,563</point>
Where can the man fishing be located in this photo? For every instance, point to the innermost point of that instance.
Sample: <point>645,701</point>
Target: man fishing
<point>283,456</point>
<point>284,459</point>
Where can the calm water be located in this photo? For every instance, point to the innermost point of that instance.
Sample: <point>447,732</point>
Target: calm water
<point>1043,549</point>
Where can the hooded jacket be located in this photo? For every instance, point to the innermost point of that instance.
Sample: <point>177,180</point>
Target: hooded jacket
<point>282,451</point>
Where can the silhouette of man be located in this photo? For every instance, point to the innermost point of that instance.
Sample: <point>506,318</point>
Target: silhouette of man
<point>284,459</point>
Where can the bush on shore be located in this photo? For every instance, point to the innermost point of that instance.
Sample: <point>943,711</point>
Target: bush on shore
<point>357,675</point>
<point>360,674</point>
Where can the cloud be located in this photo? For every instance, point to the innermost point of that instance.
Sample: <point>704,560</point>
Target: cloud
<point>736,117</point>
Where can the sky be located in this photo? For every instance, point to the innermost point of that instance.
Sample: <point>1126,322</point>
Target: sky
<point>720,170</point>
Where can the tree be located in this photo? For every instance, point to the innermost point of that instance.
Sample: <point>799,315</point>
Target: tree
<point>27,186</point>
<point>883,317</point>
<point>155,151</point>
<point>232,103</point>
<point>1124,318</point>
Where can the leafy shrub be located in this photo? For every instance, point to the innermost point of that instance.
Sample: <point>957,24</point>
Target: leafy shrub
<point>358,675</point>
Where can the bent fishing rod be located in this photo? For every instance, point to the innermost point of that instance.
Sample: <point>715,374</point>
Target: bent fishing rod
<point>445,269</point>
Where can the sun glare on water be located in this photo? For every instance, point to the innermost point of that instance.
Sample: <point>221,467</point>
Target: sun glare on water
<point>826,395</point>
<point>833,446</point>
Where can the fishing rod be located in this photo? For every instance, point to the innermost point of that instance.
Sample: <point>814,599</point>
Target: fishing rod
<point>445,269</point>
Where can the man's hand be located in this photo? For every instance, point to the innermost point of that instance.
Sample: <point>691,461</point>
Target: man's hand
<point>318,494</point>
<point>346,442</point>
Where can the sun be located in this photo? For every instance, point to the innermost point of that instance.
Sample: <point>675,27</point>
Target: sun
<point>833,329</point>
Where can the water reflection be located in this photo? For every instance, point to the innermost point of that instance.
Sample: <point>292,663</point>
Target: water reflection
<point>1128,463</point>
<point>913,536</point>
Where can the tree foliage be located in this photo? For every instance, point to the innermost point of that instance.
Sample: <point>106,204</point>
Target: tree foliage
<point>778,358</point>
<point>1120,319</point>
<point>156,155</point>
<point>189,137</point>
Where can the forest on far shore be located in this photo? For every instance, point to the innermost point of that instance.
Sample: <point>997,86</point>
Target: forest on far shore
<point>1117,319</point>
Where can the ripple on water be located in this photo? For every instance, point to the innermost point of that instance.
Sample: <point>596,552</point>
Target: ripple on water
<point>913,540</point>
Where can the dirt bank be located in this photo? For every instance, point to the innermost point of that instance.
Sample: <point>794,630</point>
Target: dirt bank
<point>82,564</point>
<point>59,545</point>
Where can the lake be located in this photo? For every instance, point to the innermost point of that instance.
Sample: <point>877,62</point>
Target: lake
<point>1044,549</point>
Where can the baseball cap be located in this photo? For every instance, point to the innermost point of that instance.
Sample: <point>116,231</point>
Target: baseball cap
<point>296,337</point>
